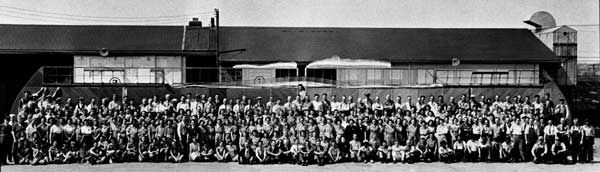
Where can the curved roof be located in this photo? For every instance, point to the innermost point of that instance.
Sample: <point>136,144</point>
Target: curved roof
<point>542,19</point>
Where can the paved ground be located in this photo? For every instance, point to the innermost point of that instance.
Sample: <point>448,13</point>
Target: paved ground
<point>345,167</point>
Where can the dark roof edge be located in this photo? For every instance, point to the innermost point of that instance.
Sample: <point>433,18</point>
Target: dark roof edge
<point>111,52</point>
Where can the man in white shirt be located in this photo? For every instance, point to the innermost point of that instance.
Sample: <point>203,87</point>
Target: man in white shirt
<point>407,106</point>
<point>516,130</point>
<point>288,106</point>
<point>317,104</point>
<point>183,105</point>
<point>398,103</point>
<point>433,106</point>
<point>114,104</point>
<point>335,105</point>
<point>550,131</point>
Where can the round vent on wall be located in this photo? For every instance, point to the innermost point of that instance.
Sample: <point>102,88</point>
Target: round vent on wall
<point>455,62</point>
<point>114,80</point>
<point>103,52</point>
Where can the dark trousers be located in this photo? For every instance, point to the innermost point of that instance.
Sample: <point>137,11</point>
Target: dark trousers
<point>559,157</point>
<point>538,156</point>
<point>472,156</point>
<point>459,155</point>
<point>587,153</point>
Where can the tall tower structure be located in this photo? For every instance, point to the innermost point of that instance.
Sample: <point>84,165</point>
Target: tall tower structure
<point>560,39</point>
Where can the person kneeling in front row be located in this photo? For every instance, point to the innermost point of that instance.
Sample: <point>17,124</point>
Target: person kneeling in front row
<point>559,152</point>
<point>446,153</point>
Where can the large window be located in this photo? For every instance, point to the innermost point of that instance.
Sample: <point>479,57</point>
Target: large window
<point>489,78</point>
<point>284,73</point>
<point>103,76</point>
<point>329,74</point>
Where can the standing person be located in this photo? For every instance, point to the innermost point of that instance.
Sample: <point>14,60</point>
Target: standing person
<point>182,134</point>
<point>575,137</point>
<point>517,135</point>
<point>6,140</point>
<point>587,142</point>
<point>550,132</point>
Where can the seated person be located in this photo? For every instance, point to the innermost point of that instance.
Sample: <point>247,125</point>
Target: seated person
<point>431,149</point>
<point>144,150</point>
<point>39,155</point>
<point>397,153</point>
<point>484,149</point>
<point>354,148</point>
<point>55,154</point>
<point>445,152</point>
<point>72,154</point>
<point>305,153</point>
<point>23,152</point>
<point>154,151</point>
<point>334,154</point>
<point>131,153</point>
<point>367,152</point>
<point>97,154</point>
<point>175,154</point>
<point>472,150</point>
<point>539,151</point>
<point>506,149</point>
<point>383,153</point>
<point>207,153</point>
<point>194,153</point>
<point>459,149</point>
<point>274,152</point>
<point>411,152</point>
<point>320,154</point>
<point>164,153</point>
<point>246,154</point>
<point>559,152</point>
<point>260,153</point>
<point>221,152</point>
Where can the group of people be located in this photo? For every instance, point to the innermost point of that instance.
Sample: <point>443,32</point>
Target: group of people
<point>301,129</point>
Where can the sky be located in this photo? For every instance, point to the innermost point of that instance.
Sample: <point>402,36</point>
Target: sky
<point>310,13</point>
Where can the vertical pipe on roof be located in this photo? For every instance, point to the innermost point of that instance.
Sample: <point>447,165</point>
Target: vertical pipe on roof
<point>183,58</point>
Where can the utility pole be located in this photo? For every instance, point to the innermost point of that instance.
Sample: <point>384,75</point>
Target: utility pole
<point>218,57</point>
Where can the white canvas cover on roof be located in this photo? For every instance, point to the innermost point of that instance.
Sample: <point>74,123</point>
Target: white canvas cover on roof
<point>337,62</point>
<point>278,65</point>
